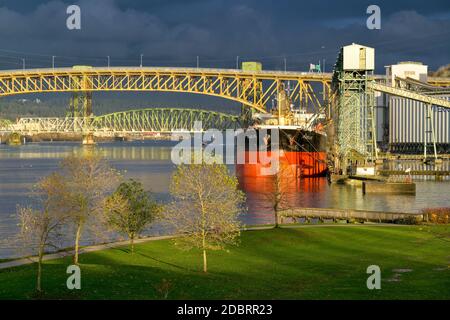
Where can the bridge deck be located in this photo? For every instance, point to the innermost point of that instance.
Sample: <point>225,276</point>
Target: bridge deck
<point>433,81</point>
<point>269,74</point>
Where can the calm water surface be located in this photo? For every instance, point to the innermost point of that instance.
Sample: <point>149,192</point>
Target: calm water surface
<point>149,161</point>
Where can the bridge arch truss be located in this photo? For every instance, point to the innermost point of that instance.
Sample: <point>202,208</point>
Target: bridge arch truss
<point>131,121</point>
<point>256,90</point>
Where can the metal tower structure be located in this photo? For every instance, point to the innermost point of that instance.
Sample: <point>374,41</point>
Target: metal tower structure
<point>81,102</point>
<point>80,105</point>
<point>354,116</point>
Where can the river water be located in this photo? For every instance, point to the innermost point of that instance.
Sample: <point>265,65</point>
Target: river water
<point>150,162</point>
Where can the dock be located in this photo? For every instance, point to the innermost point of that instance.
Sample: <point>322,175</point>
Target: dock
<point>438,175</point>
<point>305,215</point>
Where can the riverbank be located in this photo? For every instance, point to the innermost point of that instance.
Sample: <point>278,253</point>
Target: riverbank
<point>287,263</point>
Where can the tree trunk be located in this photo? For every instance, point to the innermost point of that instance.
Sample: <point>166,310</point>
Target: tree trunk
<point>276,217</point>
<point>77,243</point>
<point>275,211</point>
<point>205,263</point>
<point>132,244</point>
<point>39,273</point>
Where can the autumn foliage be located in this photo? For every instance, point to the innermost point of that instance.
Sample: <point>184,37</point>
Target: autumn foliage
<point>437,215</point>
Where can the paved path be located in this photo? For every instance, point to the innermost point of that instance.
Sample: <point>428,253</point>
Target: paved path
<point>62,254</point>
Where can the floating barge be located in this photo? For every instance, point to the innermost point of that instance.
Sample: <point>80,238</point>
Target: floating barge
<point>388,187</point>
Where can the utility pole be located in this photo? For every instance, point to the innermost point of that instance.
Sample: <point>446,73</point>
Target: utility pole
<point>141,59</point>
<point>198,62</point>
<point>109,62</point>
<point>237,62</point>
<point>53,62</point>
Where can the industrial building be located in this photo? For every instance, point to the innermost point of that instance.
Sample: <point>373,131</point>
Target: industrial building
<point>404,125</point>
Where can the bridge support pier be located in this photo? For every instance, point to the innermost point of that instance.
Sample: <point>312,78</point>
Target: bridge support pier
<point>15,139</point>
<point>88,139</point>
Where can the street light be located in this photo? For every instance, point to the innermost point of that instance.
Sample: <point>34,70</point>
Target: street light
<point>109,61</point>
<point>285,69</point>
<point>53,62</point>
<point>141,59</point>
<point>323,66</point>
<point>237,62</point>
<point>23,63</point>
<point>198,62</point>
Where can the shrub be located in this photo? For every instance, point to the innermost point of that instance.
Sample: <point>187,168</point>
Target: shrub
<point>410,219</point>
<point>437,215</point>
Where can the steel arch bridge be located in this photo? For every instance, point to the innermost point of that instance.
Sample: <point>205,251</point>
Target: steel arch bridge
<point>255,89</point>
<point>162,120</point>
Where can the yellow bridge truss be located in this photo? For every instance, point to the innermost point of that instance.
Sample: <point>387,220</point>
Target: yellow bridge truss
<point>253,89</point>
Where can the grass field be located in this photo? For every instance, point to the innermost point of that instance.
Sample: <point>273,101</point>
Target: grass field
<point>287,263</point>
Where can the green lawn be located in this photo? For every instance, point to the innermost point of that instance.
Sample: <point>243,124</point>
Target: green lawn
<point>294,263</point>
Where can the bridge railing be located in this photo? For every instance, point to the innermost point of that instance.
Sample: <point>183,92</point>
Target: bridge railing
<point>165,69</point>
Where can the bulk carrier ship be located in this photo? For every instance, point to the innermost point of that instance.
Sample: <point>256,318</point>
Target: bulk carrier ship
<point>302,144</point>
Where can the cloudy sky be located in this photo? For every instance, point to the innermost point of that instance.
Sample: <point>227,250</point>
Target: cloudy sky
<point>175,32</point>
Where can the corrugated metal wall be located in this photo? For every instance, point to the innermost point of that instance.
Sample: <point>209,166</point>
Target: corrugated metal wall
<point>382,118</point>
<point>408,122</point>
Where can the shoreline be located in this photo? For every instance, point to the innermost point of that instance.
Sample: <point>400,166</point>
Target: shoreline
<point>75,137</point>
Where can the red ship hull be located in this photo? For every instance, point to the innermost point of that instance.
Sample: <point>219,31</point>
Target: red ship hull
<point>292,163</point>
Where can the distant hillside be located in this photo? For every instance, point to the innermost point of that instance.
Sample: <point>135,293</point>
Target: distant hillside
<point>56,106</point>
<point>443,71</point>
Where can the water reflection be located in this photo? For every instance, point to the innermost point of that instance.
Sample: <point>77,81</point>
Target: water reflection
<point>316,192</point>
<point>149,161</point>
<point>140,150</point>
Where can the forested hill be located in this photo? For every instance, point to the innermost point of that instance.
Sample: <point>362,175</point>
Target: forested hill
<point>52,105</point>
<point>443,71</point>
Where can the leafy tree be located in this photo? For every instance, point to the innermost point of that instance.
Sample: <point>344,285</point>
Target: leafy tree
<point>130,210</point>
<point>41,229</point>
<point>206,204</point>
<point>88,181</point>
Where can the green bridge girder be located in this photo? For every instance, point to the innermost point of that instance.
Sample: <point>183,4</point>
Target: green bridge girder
<point>164,120</point>
<point>132,121</point>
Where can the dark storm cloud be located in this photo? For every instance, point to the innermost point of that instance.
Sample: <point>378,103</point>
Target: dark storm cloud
<point>175,32</point>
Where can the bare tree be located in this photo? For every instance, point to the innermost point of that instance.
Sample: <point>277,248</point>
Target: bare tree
<point>88,181</point>
<point>41,229</point>
<point>277,197</point>
<point>130,209</point>
<point>206,204</point>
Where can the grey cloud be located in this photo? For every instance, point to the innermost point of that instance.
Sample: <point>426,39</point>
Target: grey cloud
<point>175,32</point>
